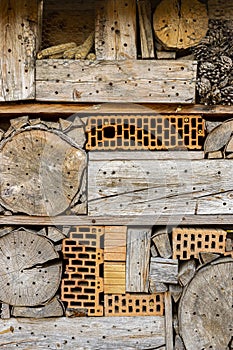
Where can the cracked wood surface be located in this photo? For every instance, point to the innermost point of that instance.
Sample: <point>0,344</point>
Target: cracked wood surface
<point>139,186</point>
<point>30,269</point>
<point>116,81</point>
<point>112,333</point>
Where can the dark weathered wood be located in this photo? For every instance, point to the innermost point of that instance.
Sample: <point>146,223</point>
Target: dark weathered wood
<point>206,307</point>
<point>41,172</point>
<point>115,30</point>
<point>112,333</point>
<point>137,259</point>
<point>116,81</point>
<point>186,272</point>
<point>121,183</point>
<point>164,270</point>
<point>19,38</point>
<point>145,25</point>
<point>180,25</point>
<point>168,321</point>
<point>220,9</point>
<point>53,308</point>
<point>162,243</point>
<point>30,269</point>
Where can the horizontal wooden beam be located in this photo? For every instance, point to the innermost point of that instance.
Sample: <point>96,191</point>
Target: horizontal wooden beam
<point>123,333</point>
<point>112,108</point>
<point>145,220</point>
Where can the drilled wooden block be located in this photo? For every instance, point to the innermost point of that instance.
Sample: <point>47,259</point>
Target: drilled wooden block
<point>114,277</point>
<point>115,243</point>
<point>82,285</point>
<point>136,132</point>
<point>188,243</point>
<point>85,235</point>
<point>134,305</point>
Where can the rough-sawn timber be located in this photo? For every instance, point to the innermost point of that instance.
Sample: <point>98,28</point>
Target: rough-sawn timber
<point>138,185</point>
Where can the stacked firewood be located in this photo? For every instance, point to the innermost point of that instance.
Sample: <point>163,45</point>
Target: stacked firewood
<point>219,142</point>
<point>215,56</point>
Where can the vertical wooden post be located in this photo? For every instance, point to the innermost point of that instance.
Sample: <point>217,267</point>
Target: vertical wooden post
<point>168,321</point>
<point>19,40</point>
<point>146,34</point>
<point>115,33</point>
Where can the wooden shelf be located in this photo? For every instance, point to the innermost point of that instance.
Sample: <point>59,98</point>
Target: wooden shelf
<point>91,108</point>
<point>145,220</point>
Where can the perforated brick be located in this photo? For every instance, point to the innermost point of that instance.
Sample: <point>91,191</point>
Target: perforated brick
<point>82,286</point>
<point>92,236</point>
<point>137,132</point>
<point>188,242</point>
<point>134,305</point>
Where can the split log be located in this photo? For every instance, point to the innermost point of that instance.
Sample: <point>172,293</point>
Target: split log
<point>179,345</point>
<point>219,137</point>
<point>53,308</point>
<point>137,259</point>
<point>153,251</point>
<point>186,272</point>
<point>30,269</point>
<point>52,233</point>
<point>229,146</point>
<point>146,34</point>
<point>215,155</point>
<point>162,243</point>
<point>40,172</point>
<point>56,49</point>
<point>206,258</point>
<point>206,306</point>
<point>164,270</point>
<point>19,122</point>
<point>180,24</point>
<point>157,287</point>
<point>176,291</point>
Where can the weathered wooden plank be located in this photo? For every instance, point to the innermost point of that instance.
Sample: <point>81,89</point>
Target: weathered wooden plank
<point>164,270</point>
<point>115,243</point>
<point>53,308</point>
<point>114,277</point>
<point>19,38</point>
<point>168,321</point>
<point>115,31</point>
<point>146,34</point>
<point>135,220</point>
<point>29,108</point>
<point>116,81</point>
<point>162,243</point>
<point>113,333</point>
<point>158,187</point>
<point>137,259</point>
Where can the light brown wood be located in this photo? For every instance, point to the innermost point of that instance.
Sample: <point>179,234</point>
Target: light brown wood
<point>164,270</point>
<point>7,109</point>
<point>30,269</point>
<point>145,25</point>
<point>115,243</point>
<point>56,49</point>
<point>137,259</point>
<point>180,24</point>
<point>168,321</point>
<point>42,169</point>
<point>19,38</point>
<point>115,30</point>
<point>206,307</point>
<point>206,258</point>
<point>53,308</point>
<point>114,277</point>
<point>121,333</point>
<point>156,81</point>
<point>157,187</point>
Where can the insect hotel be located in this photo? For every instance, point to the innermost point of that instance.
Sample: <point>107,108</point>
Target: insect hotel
<point>116,191</point>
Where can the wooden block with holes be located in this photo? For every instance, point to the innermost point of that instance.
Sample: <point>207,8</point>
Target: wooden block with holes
<point>189,242</point>
<point>115,243</point>
<point>134,305</point>
<point>114,277</point>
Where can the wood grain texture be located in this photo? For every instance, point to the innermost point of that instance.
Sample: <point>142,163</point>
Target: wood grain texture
<point>42,169</point>
<point>53,308</point>
<point>158,187</point>
<point>145,26</point>
<point>137,259</point>
<point>115,30</point>
<point>205,310</point>
<point>220,9</point>
<point>180,24</point>
<point>116,81</point>
<point>19,38</point>
<point>112,333</point>
<point>168,321</point>
<point>30,269</point>
<point>164,270</point>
